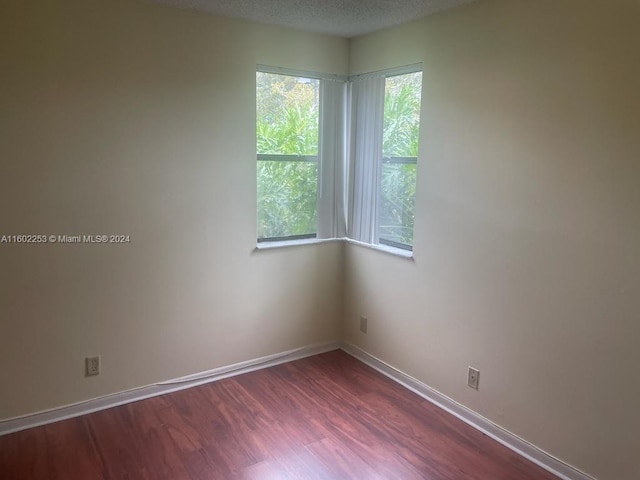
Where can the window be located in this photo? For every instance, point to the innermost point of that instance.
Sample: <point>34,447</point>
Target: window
<point>337,156</point>
<point>287,147</point>
<point>399,159</point>
<point>386,118</point>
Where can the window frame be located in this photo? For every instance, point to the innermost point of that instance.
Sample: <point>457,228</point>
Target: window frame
<point>261,157</point>
<point>367,158</point>
<point>408,160</point>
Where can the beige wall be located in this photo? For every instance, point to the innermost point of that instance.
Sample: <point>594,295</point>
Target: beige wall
<point>121,117</point>
<point>527,240</point>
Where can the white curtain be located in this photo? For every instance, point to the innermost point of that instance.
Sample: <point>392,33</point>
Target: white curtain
<point>367,118</point>
<point>332,160</point>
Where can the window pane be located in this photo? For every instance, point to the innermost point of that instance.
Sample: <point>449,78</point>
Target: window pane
<point>400,151</point>
<point>287,198</point>
<point>287,124</point>
<point>397,201</point>
<point>287,114</point>
<point>402,115</point>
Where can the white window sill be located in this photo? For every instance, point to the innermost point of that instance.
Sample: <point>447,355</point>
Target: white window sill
<point>399,252</point>
<point>294,243</point>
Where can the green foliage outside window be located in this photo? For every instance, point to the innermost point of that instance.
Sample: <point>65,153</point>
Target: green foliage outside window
<point>401,115</point>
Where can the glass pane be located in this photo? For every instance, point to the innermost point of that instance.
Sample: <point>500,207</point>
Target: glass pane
<point>287,114</point>
<point>400,139</point>
<point>402,115</point>
<point>397,201</point>
<point>287,124</point>
<point>287,198</point>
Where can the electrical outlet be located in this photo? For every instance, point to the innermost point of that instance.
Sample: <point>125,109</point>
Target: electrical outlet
<point>473,378</point>
<point>92,366</point>
<point>363,324</point>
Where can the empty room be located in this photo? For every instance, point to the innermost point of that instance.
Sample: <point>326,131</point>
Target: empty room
<point>319,239</point>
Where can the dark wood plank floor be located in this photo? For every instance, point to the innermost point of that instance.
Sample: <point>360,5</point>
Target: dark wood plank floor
<point>323,417</point>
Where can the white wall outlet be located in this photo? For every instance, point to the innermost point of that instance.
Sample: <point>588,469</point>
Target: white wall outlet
<point>92,366</point>
<point>473,378</point>
<point>363,324</point>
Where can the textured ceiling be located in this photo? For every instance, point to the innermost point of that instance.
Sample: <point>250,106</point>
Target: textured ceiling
<point>345,18</point>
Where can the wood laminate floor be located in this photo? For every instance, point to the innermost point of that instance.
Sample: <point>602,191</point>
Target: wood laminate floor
<point>323,417</point>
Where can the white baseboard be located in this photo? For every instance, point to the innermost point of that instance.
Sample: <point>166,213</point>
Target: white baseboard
<point>506,438</point>
<point>69,411</point>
